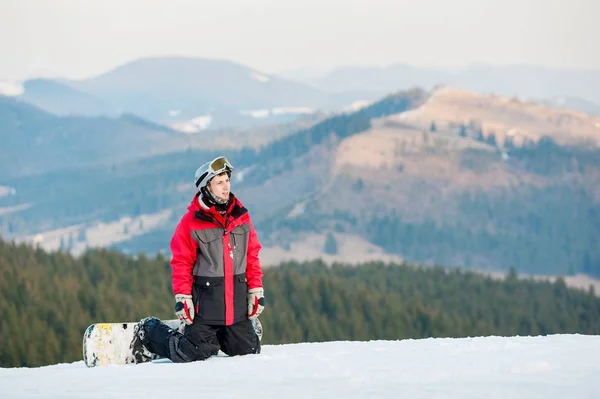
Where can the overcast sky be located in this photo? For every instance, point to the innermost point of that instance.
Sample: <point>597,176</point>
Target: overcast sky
<point>82,38</point>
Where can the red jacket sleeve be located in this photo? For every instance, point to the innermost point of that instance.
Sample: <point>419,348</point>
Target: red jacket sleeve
<point>183,250</point>
<point>254,272</point>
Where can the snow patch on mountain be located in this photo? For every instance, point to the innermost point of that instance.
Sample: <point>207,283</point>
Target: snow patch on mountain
<point>241,174</point>
<point>352,249</point>
<point>76,239</point>
<point>265,113</point>
<point>11,209</point>
<point>291,110</point>
<point>257,113</point>
<point>357,105</point>
<point>6,191</point>
<point>259,77</point>
<point>11,89</point>
<point>195,125</point>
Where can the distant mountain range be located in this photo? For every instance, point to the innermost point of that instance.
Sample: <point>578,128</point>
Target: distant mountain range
<point>64,100</point>
<point>445,176</point>
<point>457,178</point>
<point>578,89</point>
<point>194,94</point>
<point>35,142</point>
<point>186,94</point>
<point>435,174</point>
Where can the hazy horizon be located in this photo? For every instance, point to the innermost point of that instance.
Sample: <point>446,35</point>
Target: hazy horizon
<point>76,40</point>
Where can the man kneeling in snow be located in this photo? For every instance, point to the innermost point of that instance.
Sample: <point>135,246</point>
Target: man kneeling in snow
<point>216,278</point>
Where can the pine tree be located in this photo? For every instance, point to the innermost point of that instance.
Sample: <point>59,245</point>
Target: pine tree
<point>330,247</point>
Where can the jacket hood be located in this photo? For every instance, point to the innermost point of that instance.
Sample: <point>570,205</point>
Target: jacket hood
<point>194,205</point>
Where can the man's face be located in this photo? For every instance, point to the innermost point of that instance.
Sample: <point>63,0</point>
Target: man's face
<point>220,186</point>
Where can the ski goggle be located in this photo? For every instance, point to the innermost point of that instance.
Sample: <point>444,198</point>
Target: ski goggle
<point>219,165</point>
<point>214,168</point>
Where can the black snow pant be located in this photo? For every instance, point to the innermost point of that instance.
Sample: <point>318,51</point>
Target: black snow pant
<point>201,341</point>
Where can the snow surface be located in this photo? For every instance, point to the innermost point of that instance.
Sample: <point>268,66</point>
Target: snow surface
<point>558,366</point>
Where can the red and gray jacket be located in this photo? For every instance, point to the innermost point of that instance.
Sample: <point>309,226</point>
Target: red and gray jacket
<point>215,259</point>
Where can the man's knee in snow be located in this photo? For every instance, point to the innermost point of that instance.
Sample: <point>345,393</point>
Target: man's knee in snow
<point>182,350</point>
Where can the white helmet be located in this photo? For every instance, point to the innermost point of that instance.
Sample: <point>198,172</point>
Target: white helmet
<point>210,170</point>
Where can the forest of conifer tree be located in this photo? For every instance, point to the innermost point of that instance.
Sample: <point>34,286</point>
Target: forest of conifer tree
<point>48,299</point>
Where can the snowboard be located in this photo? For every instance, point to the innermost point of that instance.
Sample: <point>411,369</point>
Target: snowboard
<point>107,344</point>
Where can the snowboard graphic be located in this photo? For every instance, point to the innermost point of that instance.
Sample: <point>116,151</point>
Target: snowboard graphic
<point>107,344</point>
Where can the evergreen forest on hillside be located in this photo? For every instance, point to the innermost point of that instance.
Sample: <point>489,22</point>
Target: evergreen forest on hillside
<point>48,299</point>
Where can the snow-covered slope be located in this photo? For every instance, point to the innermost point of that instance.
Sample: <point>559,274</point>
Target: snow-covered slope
<point>559,366</point>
